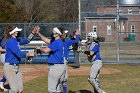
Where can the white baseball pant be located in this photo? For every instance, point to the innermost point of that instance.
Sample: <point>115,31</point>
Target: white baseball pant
<point>14,78</point>
<point>55,76</point>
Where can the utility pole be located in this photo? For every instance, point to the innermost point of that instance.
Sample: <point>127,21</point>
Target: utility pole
<point>79,7</point>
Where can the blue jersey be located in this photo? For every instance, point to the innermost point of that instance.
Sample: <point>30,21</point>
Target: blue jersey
<point>13,51</point>
<point>96,50</point>
<point>68,43</point>
<point>57,52</point>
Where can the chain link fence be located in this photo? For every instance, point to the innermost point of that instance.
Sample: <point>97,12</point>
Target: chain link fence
<point>122,42</point>
<point>119,37</point>
<point>129,45</point>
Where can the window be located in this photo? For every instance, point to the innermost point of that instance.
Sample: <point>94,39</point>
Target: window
<point>120,11</point>
<point>122,28</point>
<point>132,28</point>
<point>109,31</point>
<point>94,28</point>
<point>129,11</point>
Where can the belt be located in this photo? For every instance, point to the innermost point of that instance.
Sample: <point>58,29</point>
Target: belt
<point>96,59</point>
<point>54,63</point>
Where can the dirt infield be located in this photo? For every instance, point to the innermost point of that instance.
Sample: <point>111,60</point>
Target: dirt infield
<point>31,71</point>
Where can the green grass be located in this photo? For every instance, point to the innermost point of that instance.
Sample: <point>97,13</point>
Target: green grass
<point>128,81</point>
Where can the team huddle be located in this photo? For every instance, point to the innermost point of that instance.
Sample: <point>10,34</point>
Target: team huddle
<point>58,49</point>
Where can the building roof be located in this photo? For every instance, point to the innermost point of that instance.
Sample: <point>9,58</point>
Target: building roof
<point>106,16</point>
<point>121,5</point>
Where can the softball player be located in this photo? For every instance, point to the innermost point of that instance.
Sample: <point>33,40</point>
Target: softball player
<point>2,59</point>
<point>95,58</point>
<point>75,48</point>
<point>67,44</point>
<point>13,55</point>
<point>56,67</point>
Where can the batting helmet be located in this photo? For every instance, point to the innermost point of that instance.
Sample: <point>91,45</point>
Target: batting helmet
<point>92,34</point>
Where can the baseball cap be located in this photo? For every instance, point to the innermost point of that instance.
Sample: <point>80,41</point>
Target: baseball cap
<point>56,30</point>
<point>15,30</point>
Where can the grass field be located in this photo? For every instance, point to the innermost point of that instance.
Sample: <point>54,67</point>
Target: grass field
<point>127,81</point>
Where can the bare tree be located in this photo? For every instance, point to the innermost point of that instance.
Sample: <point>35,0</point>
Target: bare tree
<point>9,12</point>
<point>50,10</point>
<point>70,10</point>
<point>47,10</point>
<point>34,9</point>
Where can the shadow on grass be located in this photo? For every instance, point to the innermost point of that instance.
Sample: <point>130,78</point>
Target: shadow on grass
<point>7,86</point>
<point>80,91</point>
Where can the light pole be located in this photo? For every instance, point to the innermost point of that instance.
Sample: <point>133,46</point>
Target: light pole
<point>79,23</point>
<point>118,30</point>
<point>79,16</point>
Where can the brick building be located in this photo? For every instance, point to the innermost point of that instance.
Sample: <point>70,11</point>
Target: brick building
<point>104,23</point>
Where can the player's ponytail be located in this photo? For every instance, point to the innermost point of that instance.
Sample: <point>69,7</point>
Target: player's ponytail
<point>1,39</point>
<point>96,41</point>
<point>7,30</point>
<point>2,36</point>
<point>63,36</point>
